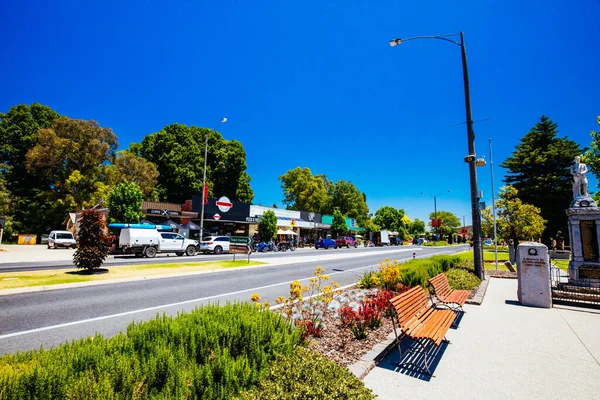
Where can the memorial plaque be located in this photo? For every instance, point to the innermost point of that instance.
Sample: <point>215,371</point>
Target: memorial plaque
<point>589,272</point>
<point>589,240</point>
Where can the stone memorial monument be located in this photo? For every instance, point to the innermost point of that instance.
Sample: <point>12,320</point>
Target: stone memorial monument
<point>584,231</point>
<point>534,275</point>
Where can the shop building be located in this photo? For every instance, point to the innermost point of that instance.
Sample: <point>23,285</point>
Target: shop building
<point>223,216</point>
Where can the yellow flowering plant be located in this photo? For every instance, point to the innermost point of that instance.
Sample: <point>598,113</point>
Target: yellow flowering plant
<point>320,290</point>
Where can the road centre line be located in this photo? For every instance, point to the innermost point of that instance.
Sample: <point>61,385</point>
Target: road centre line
<point>105,317</point>
<point>85,321</point>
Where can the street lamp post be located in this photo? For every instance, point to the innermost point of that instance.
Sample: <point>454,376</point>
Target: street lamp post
<point>437,227</point>
<point>205,195</point>
<point>471,158</point>
<point>493,204</point>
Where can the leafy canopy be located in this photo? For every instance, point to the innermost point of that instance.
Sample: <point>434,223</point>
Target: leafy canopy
<point>338,225</point>
<point>32,208</point>
<point>516,220</point>
<point>267,227</point>
<point>450,222</point>
<point>72,155</point>
<point>304,191</point>
<point>129,167</point>
<point>178,152</point>
<point>539,170</point>
<point>125,203</point>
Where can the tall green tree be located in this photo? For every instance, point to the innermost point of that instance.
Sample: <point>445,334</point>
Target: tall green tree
<point>350,201</point>
<point>267,227</point>
<point>516,220</point>
<point>73,155</point>
<point>389,218</point>
<point>129,167</point>
<point>450,222</point>
<point>178,152</point>
<point>539,170</point>
<point>304,192</point>
<point>417,227</point>
<point>125,203</point>
<point>33,209</point>
<point>338,225</point>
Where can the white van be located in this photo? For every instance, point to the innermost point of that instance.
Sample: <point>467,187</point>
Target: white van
<point>149,242</point>
<point>61,239</point>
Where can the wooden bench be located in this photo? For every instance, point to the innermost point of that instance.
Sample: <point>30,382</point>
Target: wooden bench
<point>440,289</point>
<point>420,321</point>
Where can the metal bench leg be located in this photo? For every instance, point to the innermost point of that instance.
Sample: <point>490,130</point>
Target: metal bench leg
<point>397,340</point>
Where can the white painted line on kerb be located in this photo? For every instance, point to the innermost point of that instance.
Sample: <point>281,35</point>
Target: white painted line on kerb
<point>180,303</point>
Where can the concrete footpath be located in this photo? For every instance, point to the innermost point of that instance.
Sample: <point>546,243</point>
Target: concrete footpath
<point>502,350</point>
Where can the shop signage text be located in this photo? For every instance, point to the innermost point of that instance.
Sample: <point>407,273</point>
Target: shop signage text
<point>166,213</point>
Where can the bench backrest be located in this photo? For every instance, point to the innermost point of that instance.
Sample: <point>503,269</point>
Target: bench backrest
<point>440,285</point>
<point>410,304</point>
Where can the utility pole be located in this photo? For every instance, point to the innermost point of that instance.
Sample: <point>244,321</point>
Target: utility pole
<point>205,195</point>
<point>493,203</point>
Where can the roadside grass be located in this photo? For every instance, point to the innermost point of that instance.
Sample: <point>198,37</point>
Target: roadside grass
<point>489,259</point>
<point>11,280</point>
<point>562,264</point>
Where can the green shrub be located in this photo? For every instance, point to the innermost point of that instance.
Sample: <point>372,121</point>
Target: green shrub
<point>461,279</point>
<point>307,375</point>
<point>210,353</point>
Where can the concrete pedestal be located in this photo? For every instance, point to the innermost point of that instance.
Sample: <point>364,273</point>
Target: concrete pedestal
<point>584,232</point>
<point>534,275</point>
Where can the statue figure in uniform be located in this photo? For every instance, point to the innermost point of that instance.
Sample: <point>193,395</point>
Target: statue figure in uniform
<point>579,171</point>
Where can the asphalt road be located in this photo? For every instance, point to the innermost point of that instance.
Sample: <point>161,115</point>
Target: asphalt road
<point>40,265</point>
<point>48,318</point>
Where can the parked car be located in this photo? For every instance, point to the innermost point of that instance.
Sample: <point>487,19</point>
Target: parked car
<point>325,244</point>
<point>346,241</point>
<point>61,239</point>
<point>215,244</point>
<point>149,242</point>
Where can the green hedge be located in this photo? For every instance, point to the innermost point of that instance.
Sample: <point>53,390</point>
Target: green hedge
<point>213,352</point>
<point>416,272</point>
<point>306,375</point>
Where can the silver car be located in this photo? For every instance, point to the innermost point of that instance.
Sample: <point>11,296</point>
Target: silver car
<point>61,239</point>
<point>215,244</point>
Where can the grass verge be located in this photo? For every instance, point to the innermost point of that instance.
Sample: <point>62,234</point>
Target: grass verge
<point>489,259</point>
<point>12,280</point>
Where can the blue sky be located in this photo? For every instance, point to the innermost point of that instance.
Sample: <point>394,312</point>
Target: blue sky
<point>315,83</point>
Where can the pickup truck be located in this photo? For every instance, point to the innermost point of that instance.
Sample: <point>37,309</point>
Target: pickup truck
<point>149,242</point>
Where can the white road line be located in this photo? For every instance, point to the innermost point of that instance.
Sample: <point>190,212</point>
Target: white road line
<point>85,321</point>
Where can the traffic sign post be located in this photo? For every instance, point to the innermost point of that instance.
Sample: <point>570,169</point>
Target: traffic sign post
<point>240,240</point>
<point>235,248</point>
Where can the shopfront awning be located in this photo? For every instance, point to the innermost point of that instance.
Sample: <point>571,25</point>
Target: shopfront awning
<point>192,226</point>
<point>172,224</point>
<point>286,232</point>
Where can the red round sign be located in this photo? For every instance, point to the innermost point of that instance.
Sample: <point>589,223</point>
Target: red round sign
<point>217,217</point>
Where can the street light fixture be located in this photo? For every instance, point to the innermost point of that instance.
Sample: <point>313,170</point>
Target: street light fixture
<point>477,251</point>
<point>205,195</point>
<point>437,227</point>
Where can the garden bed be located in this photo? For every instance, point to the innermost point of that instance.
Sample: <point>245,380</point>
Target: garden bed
<point>338,344</point>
